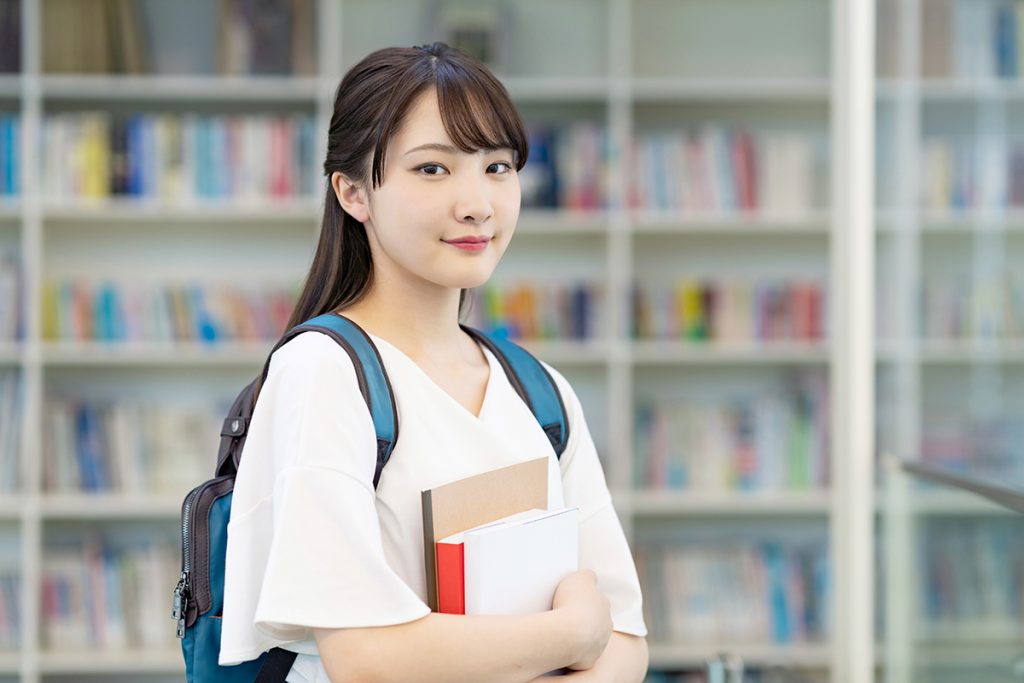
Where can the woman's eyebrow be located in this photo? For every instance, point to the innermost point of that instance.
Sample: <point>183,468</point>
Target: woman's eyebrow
<point>449,149</point>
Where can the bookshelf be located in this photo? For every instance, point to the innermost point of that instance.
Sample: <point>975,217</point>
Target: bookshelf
<point>632,66</point>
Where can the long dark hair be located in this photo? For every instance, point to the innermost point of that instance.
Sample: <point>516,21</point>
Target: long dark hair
<point>369,107</point>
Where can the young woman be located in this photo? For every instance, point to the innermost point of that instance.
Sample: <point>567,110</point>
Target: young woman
<point>423,156</point>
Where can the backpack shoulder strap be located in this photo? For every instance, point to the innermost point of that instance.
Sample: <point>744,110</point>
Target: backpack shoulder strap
<point>370,373</point>
<point>533,383</point>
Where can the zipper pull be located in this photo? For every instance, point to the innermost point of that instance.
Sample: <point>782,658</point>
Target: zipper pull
<point>180,604</point>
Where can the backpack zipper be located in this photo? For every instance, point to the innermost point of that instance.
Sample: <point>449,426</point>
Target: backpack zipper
<point>183,590</point>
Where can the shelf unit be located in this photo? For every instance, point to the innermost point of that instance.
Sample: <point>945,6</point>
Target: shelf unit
<point>609,75</point>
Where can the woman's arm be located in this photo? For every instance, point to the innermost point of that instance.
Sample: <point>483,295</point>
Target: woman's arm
<point>452,648</point>
<point>624,660</point>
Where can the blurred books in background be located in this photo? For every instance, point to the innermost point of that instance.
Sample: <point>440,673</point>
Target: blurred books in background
<point>539,309</point>
<point>971,39</point>
<point>10,36</point>
<point>742,592</point>
<point>12,321</point>
<point>227,37</point>
<point>988,306</point>
<point>568,166</point>
<point>126,447</point>
<point>10,154</point>
<point>719,169</point>
<point>97,595</point>
<point>103,310</point>
<point>242,158</point>
<point>733,310</point>
<point>11,402</point>
<point>768,441</point>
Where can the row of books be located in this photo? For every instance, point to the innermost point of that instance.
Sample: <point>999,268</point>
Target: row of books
<point>227,37</point>
<point>972,172</point>
<point>724,169</point>
<point>734,310</point>
<point>768,441</point>
<point>990,446</point>
<point>88,310</point>
<point>100,596</point>
<point>10,154</point>
<point>971,576</point>
<point>972,39</point>
<point>126,446</point>
<point>10,36</point>
<point>181,157</point>
<point>767,592</point>
<point>10,609</point>
<point>985,307</point>
<point>538,310</point>
<point>568,166</point>
<point>11,296</point>
<point>11,402</point>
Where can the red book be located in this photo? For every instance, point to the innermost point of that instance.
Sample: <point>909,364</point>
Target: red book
<point>451,594</point>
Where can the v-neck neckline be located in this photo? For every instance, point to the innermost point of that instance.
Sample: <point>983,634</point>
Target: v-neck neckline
<point>491,362</point>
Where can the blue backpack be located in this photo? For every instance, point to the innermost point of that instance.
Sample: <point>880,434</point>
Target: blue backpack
<point>199,595</point>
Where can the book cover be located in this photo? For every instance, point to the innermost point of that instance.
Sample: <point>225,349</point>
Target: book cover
<point>514,566</point>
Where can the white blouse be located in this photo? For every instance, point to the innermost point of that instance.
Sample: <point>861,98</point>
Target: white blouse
<point>312,545</point>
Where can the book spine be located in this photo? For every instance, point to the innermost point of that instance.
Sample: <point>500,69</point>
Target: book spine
<point>451,589</point>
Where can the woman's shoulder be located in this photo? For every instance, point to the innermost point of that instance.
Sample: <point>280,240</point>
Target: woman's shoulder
<point>311,356</point>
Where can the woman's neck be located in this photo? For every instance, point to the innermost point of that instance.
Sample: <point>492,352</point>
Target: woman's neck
<point>421,323</point>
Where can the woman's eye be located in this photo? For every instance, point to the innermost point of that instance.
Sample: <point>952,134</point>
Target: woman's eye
<point>502,163</point>
<point>425,166</point>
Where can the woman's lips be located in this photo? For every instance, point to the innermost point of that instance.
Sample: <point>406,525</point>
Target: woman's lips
<point>467,245</point>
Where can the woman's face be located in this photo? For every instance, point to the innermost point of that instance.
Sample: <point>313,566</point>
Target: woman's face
<point>430,197</point>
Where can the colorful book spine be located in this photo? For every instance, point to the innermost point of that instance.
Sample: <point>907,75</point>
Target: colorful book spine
<point>10,155</point>
<point>451,584</point>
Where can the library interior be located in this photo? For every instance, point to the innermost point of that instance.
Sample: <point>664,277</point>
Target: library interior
<point>776,246</point>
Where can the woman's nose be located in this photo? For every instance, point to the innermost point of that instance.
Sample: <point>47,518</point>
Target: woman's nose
<point>474,202</point>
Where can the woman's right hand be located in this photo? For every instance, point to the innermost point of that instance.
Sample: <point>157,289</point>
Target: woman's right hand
<point>588,614</point>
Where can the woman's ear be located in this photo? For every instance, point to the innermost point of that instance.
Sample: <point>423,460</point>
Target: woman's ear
<point>350,196</point>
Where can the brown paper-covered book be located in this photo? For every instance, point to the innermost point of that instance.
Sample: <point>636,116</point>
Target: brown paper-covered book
<point>482,498</point>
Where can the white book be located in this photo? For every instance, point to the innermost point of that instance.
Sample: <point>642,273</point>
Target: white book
<point>514,565</point>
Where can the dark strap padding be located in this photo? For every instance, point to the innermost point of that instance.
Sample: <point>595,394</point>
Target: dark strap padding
<point>276,666</point>
<point>533,383</point>
<point>370,373</point>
